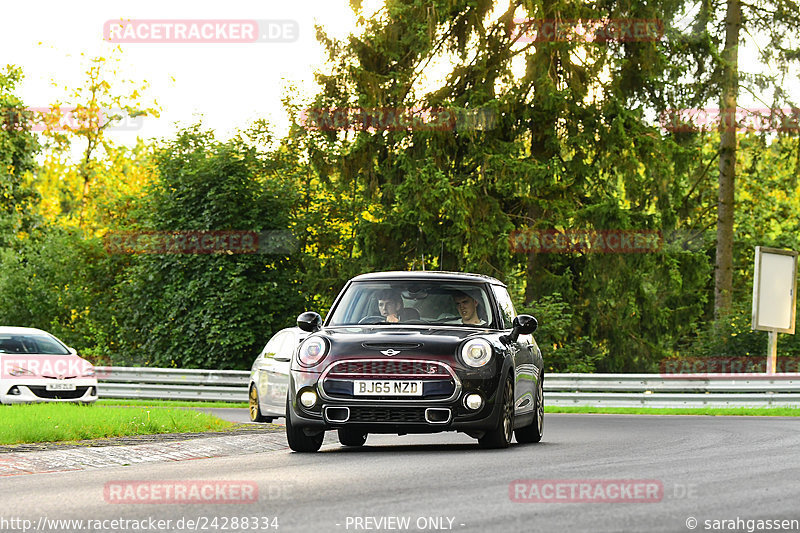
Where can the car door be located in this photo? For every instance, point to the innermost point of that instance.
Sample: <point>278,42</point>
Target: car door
<point>522,351</point>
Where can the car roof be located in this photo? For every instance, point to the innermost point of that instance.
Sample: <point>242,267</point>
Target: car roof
<point>16,330</point>
<point>427,275</point>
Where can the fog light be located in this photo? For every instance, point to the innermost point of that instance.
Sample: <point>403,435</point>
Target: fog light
<point>473,401</point>
<point>14,391</point>
<point>308,398</point>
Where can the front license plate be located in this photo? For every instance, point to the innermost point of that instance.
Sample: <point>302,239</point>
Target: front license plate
<point>387,388</point>
<point>60,386</point>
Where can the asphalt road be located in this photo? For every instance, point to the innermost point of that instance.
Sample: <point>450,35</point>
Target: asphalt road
<point>707,468</point>
<point>238,415</point>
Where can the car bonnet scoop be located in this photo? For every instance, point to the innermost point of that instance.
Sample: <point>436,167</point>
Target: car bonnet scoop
<point>391,345</point>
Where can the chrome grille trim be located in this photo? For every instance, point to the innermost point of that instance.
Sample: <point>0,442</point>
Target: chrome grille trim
<point>450,375</point>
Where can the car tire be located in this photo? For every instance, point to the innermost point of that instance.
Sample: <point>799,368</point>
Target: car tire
<point>255,406</point>
<point>533,432</point>
<point>349,437</point>
<point>500,437</point>
<point>298,440</point>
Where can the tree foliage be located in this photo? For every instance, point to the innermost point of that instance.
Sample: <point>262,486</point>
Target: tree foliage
<point>18,149</point>
<point>78,191</point>
<point>208,310</point>
<point>61,280</point>
<point>567,147</point>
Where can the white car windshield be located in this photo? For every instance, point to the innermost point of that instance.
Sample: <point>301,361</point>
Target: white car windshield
<point>414,302</point>
<point>31,344</point>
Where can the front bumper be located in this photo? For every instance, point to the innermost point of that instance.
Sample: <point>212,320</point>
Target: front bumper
<point>32,391</point>
<point>396,416</point>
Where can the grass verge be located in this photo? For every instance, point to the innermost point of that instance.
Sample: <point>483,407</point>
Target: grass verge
<point>48,422</point>
<point>708,411</point>
<point>170,403</point>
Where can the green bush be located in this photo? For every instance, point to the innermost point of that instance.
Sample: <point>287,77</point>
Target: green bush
<point>60,281</point>
<point>208,310</point>
<point>563,350</point>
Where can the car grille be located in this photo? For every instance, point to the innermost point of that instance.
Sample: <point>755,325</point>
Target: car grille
<point>387,414</point>
<point>438,383</point>
<point>42,392</point>
<point>388,369</point>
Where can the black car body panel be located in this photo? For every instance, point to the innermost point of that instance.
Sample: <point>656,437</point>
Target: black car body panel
<point>413,377</point>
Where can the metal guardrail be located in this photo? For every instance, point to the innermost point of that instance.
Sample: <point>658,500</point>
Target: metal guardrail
<point>672,390</point>
<point>582,399</point>
<point>172,384</point>
<point>600,390</point>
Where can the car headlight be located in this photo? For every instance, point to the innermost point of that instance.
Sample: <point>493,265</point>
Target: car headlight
<point>20,371</point>
<point>476,353</point>
<point>88,372</point>
<point>313,350</point>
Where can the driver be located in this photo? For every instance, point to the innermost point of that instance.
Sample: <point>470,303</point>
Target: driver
<point>468,308</point>
<point>390,303</point>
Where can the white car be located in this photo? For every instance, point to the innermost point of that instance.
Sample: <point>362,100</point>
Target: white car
<point>37,367</point>
<point>269,375</point>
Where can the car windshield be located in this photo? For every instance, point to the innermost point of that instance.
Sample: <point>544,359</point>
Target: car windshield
<point>414,302</point>
<point>31,344</point>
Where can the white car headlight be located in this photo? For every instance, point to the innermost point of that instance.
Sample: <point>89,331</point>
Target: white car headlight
<point>313,350</point>
<point>20,371</point>
<point>476,352</point>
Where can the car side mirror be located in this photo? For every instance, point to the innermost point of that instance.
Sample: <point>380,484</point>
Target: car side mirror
<point>309,321</point>
<point>523,325</point>
<point>73,351</point>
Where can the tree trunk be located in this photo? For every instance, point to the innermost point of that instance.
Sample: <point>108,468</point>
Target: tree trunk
<point>723,282</point>
<point>543,134</point>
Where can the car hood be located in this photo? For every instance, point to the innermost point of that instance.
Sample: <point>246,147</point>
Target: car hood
<point>398,342</point>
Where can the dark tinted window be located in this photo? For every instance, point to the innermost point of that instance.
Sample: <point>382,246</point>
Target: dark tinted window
<point>421,302</point>
<point>36,344</point>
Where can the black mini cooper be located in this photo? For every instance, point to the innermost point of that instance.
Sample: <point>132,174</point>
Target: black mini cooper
<point>417,352</point>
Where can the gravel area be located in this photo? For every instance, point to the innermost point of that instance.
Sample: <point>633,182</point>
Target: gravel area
<point>122,451</point>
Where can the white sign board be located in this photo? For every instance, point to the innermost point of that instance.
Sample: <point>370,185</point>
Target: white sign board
<point>774,294</point>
